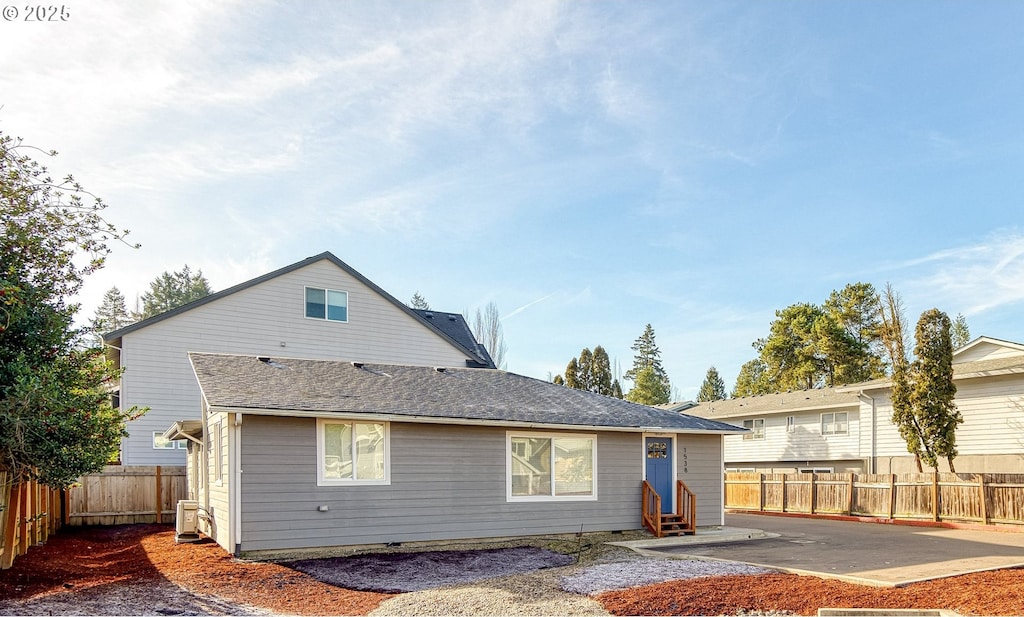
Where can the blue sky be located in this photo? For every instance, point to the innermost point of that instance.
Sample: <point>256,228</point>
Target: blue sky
<point>590,167</point>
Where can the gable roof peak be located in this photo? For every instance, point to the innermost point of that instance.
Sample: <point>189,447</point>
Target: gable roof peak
<point>477,356</point>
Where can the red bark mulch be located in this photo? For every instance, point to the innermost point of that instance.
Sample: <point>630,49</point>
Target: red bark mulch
<point>1000,592</point>
<point>87,557</point>
<point>90,558</point>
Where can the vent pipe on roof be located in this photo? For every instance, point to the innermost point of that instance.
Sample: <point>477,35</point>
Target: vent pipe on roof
<point>264,359</point>
<point>428,315</point>
<point>357,364</point>
<point>440,369</point>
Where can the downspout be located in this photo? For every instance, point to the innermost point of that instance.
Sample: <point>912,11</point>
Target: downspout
<point>205,476</point>
<point>235,523</point>
<point>721,470</point>
<point>874,432</point>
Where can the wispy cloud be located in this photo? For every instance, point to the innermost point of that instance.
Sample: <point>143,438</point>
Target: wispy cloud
<point>973,278</point>
<point>522,308</point>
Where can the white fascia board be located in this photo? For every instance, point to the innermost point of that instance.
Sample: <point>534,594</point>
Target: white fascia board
<point>290,413</point>
<point>781,410</point>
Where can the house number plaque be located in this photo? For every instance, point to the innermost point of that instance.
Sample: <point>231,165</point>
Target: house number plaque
<point>657,449</point>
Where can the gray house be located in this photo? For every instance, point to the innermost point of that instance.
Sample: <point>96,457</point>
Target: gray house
<point>303,453</point>
<point>319,307</point>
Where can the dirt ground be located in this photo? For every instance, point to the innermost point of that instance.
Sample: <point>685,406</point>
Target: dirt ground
<point>138,569</point>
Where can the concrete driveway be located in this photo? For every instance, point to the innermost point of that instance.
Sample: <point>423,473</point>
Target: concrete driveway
<point>866,553</point>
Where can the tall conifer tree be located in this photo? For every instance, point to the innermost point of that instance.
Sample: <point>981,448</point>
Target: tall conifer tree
<point>713,388</point>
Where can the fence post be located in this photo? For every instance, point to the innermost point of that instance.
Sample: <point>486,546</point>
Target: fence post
<point>935,496</point>
<point>892,496</point>
<point>813,494</point>
<point>26,508</point>
<point>783,492</point>
<point>760,492</point>
<point>982,495</point>
<point>159,496</point>
<point>849,505</point>
<point>11,527</point>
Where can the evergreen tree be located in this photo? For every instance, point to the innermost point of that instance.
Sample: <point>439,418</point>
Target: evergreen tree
<point>960,333</point>
<point>812,346</point>
<point>173,289</point>
<point>601,372</point>
<point>617,389</point>
<point>790,353</point>
<point>648,388</point>
<point>419,302</point>
<point>572,375</point>
<point>933,389</point>
<point>855,310</point>
<point>110,315</point>
<point>713,388</point>
<point>585,365</point>
<point>751,380</point>
<point>648,356</point>
<point>558,380</point>
<point>591,371</point>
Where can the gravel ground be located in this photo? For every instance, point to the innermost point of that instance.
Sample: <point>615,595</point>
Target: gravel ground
<point>622,575</point>
<point>557,590</point>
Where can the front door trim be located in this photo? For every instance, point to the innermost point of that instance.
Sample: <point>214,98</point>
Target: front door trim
<point>643,453</point>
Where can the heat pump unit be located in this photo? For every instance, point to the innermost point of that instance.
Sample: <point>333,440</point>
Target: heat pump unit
<point>186,523</point>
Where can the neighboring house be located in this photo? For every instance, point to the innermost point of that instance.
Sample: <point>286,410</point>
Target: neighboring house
<point>316,308</point>
<point>297,453</point>
<point>849,428</point>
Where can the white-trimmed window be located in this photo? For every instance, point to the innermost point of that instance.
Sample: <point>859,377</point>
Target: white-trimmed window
<point>160,442</point>
<point>790,424</point>
<point>815,470</point>
<point>546,467</point>
<point>328,304</point>
<point>217,436</point>
<point>756,427</point>
<point>835,423</point>
<point>350,452</point>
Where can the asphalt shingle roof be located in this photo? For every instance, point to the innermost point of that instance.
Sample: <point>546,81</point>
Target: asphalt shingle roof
<point>784,402</point>
<point>291,386</point>
<point>774,403</point>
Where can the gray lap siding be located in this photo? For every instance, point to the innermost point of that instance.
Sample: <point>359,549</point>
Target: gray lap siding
<point>447,482</point>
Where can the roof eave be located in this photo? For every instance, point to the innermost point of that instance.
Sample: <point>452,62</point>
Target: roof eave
<point>420,419</point>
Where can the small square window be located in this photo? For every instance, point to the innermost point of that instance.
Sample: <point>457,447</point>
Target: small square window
<point>160,442</point>
<point>756,427</point>
<point>835,423</point>
<point>327,304</point>
<point>352,453</point>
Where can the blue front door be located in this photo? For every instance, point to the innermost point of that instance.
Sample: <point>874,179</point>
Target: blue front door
<point>659,469</point>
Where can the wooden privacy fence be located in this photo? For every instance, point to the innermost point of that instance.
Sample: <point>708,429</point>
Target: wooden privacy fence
<point>984,498</point>
<point>122,495</point>
<point>29,513</point>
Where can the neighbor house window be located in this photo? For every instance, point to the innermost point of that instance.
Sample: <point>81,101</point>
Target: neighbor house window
<point>790,424</point>
<point>756,427</point>
<point>551,467</point>
<point>352,452</point>
<point>160,442</point>
<point>218,453</point>
<point>815,470</point>
<point>835,423</point>
<point>326,304</point>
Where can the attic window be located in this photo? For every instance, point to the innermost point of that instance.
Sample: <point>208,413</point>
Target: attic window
<point>326,304</point>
